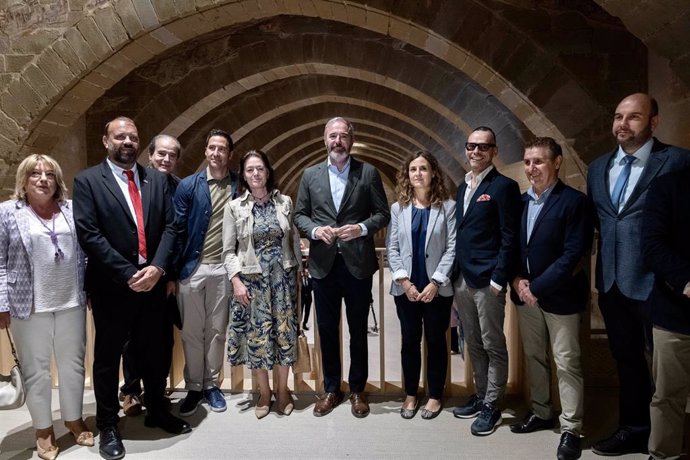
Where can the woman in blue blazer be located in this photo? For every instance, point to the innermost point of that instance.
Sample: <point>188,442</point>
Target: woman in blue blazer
<point>421,248</point>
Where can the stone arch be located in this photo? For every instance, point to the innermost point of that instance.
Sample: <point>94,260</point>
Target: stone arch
<point>104,46</point>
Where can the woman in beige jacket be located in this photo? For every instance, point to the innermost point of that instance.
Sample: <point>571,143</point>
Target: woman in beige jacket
<point>262,258</point>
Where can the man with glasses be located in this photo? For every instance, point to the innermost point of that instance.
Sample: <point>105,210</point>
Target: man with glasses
<point>485,251</point>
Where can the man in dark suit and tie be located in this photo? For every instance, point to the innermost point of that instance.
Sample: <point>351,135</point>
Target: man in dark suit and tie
<point>485,249</point>
<point>340,206</point>
<point>125,224</point>
<point>551,292</point>
<point>164,151</point>
<point>666,250</point>
<point>617,184</point>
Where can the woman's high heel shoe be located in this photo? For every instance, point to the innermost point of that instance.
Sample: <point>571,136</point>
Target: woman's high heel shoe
<point>84,438</point>
<point>288,407</point>
<point>262,411</point>
<point>47,454</point>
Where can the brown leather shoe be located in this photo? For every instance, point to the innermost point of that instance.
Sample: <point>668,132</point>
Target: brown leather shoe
<point>131,405</point>
<point>327,403</point>
<point>360,406</point>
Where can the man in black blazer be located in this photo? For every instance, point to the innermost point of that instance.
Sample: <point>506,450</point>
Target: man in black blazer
<point>624,282</point>
<point>551,291</point>
<point>666,250</point>
<point>163,152</point>
<point>125,224</point>
<point>340,206</point>
<point>485,249</point>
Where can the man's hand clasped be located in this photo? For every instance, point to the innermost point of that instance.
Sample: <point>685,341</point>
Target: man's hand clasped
<point>145,279</point>
<point>329,234</point>
<point>521,286</point>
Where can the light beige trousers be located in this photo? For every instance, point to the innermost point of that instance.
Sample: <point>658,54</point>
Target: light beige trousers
<point>203,302</point>
<point>544,335</point>
<point>671,371</point>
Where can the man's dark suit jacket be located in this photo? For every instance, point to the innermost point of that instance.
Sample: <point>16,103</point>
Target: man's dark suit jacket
<point>107,231</point>
<point>557,249</point>
<point>486,244</point>
<point>666,249</point>
<point>619,256</point>
<point>364,201</point>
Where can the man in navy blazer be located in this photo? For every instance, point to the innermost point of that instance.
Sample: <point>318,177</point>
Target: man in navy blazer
<point>624,282</point>
<point>666,250</point>
<point>551,292</point>
<point>488,207</point>
<point>340,206</point>
<point>125,224</point>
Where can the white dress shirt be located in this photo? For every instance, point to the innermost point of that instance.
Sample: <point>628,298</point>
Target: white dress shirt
<point>338,181</point>
<point>469,191</point>
<point>123,183</point>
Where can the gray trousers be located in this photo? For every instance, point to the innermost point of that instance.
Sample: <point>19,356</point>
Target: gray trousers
<point>543,335</point>
<point>671,370</point>
<point>482,314</point>
<point>203,301</point>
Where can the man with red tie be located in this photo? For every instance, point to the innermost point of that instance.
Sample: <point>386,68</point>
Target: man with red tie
<point>125,224</point>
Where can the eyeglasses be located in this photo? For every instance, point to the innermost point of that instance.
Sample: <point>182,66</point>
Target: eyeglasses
<point>469,146</point>
<point>39,174</point>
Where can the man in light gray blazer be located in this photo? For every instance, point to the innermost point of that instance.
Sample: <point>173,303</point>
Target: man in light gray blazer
<point>340,206</point>
<point>617,184</point>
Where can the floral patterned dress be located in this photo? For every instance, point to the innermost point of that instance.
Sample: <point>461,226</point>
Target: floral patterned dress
<point>265,332</point>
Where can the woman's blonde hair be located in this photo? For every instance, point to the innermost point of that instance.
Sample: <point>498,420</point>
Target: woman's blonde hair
<point>404,189</point>
<point>27,166</point>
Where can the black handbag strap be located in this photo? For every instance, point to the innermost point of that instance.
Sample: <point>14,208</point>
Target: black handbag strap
<point>14,352</point>
<point>300,305</point>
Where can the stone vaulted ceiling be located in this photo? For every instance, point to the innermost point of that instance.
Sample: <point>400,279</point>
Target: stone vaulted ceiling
<point>410,74</point>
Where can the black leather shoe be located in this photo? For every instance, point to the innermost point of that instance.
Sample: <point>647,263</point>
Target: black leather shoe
<point>532,423</point>
<point>110,445</point>
<point>570,447</point>
<point>167,422</point>
<point>623,441</point>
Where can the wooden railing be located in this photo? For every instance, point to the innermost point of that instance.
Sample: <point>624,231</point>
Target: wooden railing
<point>385,374</point>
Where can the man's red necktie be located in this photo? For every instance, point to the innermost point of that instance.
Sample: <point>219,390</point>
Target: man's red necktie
<point>138,211</point>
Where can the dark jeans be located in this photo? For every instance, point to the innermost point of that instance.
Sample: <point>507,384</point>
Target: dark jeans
<point>629,331</point>
<point>130,369</point>
<point>121,315</point>
<point>329,293</point>
<point>434,318</point>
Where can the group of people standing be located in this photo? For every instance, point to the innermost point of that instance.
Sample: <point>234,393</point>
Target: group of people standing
<point>227,246</point>
<point>539,245</point>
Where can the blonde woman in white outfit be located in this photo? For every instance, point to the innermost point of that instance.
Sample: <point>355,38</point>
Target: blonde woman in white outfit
<point>42,298</point>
